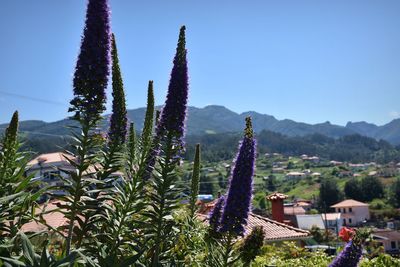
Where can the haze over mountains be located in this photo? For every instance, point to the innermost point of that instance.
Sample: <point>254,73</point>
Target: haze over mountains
<point>218,119</point>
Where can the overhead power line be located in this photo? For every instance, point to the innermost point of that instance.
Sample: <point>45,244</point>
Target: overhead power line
<point>36,99</point>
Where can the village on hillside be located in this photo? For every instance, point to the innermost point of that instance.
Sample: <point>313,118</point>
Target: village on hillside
<point>287,202</point>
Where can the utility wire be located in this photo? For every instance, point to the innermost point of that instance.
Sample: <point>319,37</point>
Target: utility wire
<point>36,99</point>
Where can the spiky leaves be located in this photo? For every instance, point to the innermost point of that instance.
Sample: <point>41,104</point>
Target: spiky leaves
<point>238,200</point>
<point>92,66</point>
<point>194,189</point>
<point>118,121</point>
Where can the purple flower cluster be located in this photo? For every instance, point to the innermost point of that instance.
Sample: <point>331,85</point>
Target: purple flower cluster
<point>92,67</point>
<point>349,257</point>
<point>174,112</point>
<point>173,116</point>
<point>238,200</point>
<point>215,214</point>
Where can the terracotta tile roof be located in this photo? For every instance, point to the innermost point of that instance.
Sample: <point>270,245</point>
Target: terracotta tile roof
<point>274,231</point>
<point>50,158</point>
<point>53,218</point>
<point>276,195</point>
<point>331,216</point>
<point>386,234</point>
<point>303,203</point>
<point>349,203</point>
<point>294,210</point>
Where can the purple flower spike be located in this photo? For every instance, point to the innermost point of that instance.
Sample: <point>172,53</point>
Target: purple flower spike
<point>238,200</point>
<point>349,257</point>
<point>173,116</point>
<point>174,112</point>
<point>215,214</point>
<point>92,67</point>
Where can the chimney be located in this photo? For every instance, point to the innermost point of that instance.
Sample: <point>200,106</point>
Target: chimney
<point>277,206</point>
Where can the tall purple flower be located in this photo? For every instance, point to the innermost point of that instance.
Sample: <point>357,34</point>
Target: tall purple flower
<point>172,119</point>
<point>174,112</point>
<point>349,257</point>
<point>92,67</point>
<point>238,200</point>
<point>215,214</point>
<point>118,122</point>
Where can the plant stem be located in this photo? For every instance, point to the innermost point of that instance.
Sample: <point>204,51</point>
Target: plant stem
<point>228,248</point>
<point>78,184</point>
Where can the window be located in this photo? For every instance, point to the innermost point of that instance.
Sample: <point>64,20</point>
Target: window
<point>350,220</point>
<point>339,210</point>
<point>344,222</point>
<point>344,210</point>
<point>350,210</point>
<point>393,245</point>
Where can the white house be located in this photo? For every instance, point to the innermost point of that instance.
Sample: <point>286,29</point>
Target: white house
<point>308,221</point>
<point>352,212</point>
<point>50,168</point>
<point>295,175</point>
<point>53,168</point>
<point>333,221</point>
<point>389,239</point>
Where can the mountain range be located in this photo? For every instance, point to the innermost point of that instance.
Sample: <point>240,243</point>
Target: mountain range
<point>216,119</point>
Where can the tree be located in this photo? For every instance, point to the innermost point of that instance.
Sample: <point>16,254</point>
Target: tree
<point>290,165</point>
<point>262,203</point>
<point>371,188</point>
<point>271,183</point>
<point>353,190</point>
<point>396,192</point>
<point>329,194</point>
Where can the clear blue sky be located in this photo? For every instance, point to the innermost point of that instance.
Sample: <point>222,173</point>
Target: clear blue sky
<point>309,61</point>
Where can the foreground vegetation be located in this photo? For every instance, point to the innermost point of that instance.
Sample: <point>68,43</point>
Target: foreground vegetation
<point>146,218</point>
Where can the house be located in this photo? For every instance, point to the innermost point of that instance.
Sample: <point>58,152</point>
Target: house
<point>358,166</point>
<point>388,172</point>
<point>293,210</point>
<point>290,212</point>
<point>278,170</point>
<point>335,163</point>
<point>389,239</point>
<point>313,159</point>
<point>295,175</point>
<point>276,231</point>
<point>333,221</point>
<point>344,173</point>
<point>50,168</point>
<point>308,221</point>
<point>53,169</point>
<point>352,212</point>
